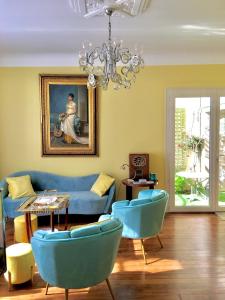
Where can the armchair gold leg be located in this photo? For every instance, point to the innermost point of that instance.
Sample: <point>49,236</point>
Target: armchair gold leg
<point>110,289</point>
<point>143,250</point>
<point>46,289</point>
<point>161,244</point>
<point>66,294</point>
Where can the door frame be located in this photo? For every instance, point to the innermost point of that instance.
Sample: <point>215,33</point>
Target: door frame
<point>214,94</point>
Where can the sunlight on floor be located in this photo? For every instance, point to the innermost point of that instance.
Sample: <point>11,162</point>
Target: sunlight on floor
<point>168,265</point>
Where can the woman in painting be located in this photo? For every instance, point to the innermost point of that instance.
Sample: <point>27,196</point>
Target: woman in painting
<point>67,122</point>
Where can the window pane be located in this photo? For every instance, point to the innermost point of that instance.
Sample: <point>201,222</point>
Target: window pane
<point>192,128</point>
<point>221,198</point>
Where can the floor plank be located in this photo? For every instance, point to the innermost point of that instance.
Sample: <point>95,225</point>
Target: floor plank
<point>191,266</point>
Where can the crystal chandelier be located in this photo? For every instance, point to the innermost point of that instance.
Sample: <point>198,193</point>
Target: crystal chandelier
<point>101,63</point>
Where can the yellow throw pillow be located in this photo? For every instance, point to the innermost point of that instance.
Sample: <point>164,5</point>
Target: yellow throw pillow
<point>102,184</point>
<point>20,187</point>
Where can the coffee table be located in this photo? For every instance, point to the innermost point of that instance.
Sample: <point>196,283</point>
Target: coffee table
<point>29,206</point>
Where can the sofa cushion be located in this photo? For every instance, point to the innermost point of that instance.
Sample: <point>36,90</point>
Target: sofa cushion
<point>10,206</point>
<point>136,202</point>
<point>102,184</point>
<point>85,231</point>
<point>86,202</point>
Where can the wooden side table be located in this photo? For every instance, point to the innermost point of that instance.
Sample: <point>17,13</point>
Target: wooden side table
<point>130,185</point>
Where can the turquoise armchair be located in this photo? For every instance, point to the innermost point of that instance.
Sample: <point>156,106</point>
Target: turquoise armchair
<point>142,218</point>
<point>79,258</point>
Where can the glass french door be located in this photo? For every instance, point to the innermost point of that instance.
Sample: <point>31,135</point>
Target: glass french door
<point>221,181</point>
<point>196,149</point>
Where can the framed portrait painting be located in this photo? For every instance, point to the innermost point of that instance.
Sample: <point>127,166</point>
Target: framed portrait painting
<point>68,115</point>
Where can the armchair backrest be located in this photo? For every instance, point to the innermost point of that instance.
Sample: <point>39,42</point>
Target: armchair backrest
<point>142,217</point>
<point>78,262</point>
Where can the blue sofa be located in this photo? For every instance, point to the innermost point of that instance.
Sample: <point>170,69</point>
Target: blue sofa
<point>82,200</point>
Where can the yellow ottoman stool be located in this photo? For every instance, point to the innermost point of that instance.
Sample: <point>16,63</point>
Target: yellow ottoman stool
<point>20,263</point>
<point>20,232</point>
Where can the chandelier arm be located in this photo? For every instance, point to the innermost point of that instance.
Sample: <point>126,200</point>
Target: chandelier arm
<point>117,53</point>
<point>92,53</point>
<point>110,29</point>
<point>122,50</point>
<point>103,52</point>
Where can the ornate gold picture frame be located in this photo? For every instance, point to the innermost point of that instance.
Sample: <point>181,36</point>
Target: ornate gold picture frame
<point>68,115</point>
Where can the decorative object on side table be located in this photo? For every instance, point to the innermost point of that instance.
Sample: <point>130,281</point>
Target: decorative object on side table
<point>44,204</point>
<point>2,238</point>
<point>139,175</point>
<point>139,166</point>
<point>68,115</point>
<point>153,177</point>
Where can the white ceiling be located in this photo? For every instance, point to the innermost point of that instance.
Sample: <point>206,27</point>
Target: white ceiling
<point>48,32</point>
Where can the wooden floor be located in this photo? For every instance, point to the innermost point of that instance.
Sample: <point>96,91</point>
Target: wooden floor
<point>190,266</point>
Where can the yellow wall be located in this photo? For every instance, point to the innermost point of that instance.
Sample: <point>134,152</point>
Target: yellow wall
<point>129,120</point>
